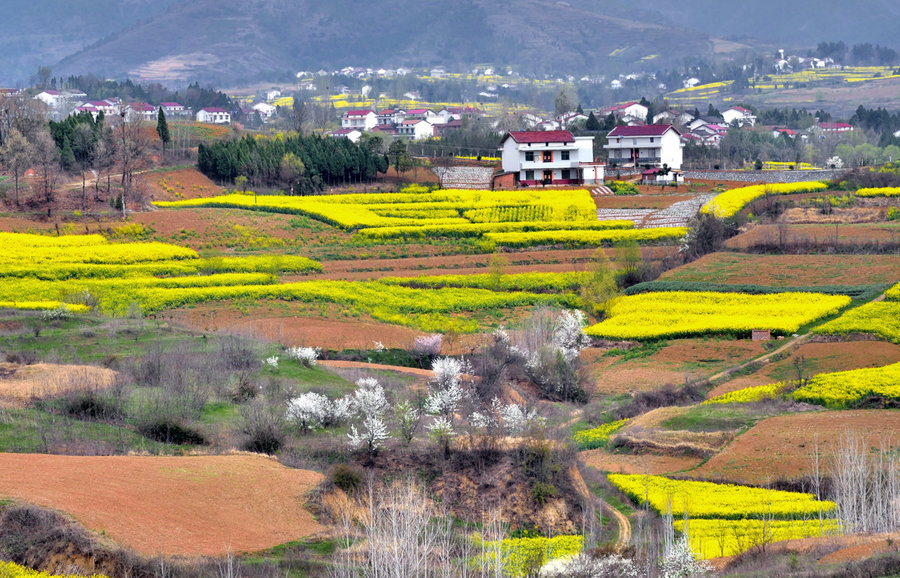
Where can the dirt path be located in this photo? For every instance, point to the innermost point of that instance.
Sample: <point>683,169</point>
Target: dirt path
<point>794,342</point>
<point>622,521</point>
<point>426,373</point>
<point>193,505</point>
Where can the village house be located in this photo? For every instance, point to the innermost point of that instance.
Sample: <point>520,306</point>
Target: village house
<point>352,134</point>
<point>362,119</point>
<point>141,110</point>
<point>634,110</point>
<point>265,110</point>
<point>391,116</point>
<point>417,129</point>
<point>652,145</point>
<point>421,113</point>
<point>550,158</point>
<point>835,127</point>
<point>173,109</point>
<point>213,115</point>
<point>739,115</point>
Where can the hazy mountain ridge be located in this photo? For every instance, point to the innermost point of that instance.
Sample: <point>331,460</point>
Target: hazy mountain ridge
<point>230,40</point>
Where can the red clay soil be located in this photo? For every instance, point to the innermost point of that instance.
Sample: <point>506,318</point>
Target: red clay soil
<point>870,546</point>
<point>789,270</point>
<point>818,358</point>
<point>824,235</point>
<point>292,330</point>
<point>653,465</point>
<point>680,359</point>
<point>782,446</point>
<point>199,505</point>
<point>178,185</point>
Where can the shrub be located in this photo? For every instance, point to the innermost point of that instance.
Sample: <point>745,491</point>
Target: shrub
<point>346,477</point>
<point>264,427</point>
<point>168,430</point>
<point>541,492</point>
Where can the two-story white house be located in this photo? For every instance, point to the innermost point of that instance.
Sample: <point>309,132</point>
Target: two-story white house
<point>362,119</point>
<point>550,157</point>
<point>173,108</point>
<point>652,145</point>
<point>213,115</point>
<point>265,110</point>
<point>417,129</point>
<point>391,116</point>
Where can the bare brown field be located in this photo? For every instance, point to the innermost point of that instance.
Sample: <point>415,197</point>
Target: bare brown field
<point>279,323</point>
<point>817,358</point>
<point>837,215</point>
<point>199,505</point>
<point>178,185</point>
<point>637,463</point>
<point>676,362</point>
<point>781,447</point>
<point>821,235</point>
<point>789,270</point>
<point>19,384</point>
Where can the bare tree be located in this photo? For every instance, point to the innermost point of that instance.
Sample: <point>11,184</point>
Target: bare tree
<point>85,148</point>
<point>133,146</point>
<point>46,157</point>
<point>16,154</point>
<point>866,485</point>
<point>26,115</point>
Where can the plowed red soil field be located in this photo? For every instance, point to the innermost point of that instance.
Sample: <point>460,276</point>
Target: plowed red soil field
<point>782,446</point>
<point>790,270</point>
<point>818,358</point>
<point>202,505</point>
<point>637,464</point>
<point>885,234</point>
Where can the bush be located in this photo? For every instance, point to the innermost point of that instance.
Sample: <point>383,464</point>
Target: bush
<point>541,492</point>
<point>167,430</point>
<point>346,477</point>
<point>264,427</point>
<point>90,405</point>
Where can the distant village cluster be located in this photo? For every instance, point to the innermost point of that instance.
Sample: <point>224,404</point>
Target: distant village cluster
<point>66,102</point>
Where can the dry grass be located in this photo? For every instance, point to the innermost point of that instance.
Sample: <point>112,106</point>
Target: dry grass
<point>20,384</point>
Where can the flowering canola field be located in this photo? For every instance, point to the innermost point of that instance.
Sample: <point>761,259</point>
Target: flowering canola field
<point>86,271</point>
<point>726,519</point>
<point>730,202</point>
<point>842,389</point>
<point>12,570</point>
<point>521,555</point>
<point>881,318</point>
<point>654,315</point>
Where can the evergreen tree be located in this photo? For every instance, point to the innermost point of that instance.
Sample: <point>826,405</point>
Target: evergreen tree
<point>162,129</point>
<point>592,123</point>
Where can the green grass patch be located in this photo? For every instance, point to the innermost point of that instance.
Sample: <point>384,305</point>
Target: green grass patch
<point>713,418</point>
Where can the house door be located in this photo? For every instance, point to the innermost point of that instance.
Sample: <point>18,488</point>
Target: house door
<point>548,177</point>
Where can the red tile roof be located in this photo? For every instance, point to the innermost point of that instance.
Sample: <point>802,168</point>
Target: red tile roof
<point>646,130</point>
<point>535,136</point>
<point>834,125</point>
<point>740,109</point>
<point>357,112</point>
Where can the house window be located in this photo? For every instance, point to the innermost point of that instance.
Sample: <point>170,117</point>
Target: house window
<point>529,175</point>
<point>547,156</point>
<point>564,156</point>
<point>634,141</point>
<point>651,139</point>
<point>564,174</point>
<point>529,156</point>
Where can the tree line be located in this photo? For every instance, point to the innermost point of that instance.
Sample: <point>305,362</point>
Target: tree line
<point>303,164</point>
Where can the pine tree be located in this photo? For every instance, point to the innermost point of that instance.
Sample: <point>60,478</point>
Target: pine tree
<point>162,129</point>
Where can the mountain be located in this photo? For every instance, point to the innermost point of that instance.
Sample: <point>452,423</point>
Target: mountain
<point>40,32</point>
<point>225,40</point>
<point>229,41</point>
<point>794,22</point>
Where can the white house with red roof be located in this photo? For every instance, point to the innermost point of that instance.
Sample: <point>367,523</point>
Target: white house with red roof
<point>391,116</point>
<point>351,134</point>
<point>172,108</point>
<point>739,115</point>
<point>550,158</point>
<point>415,128</point>
<point>652,145</point>
<point>835,127</point>
<point>213,115</point>
<point>362,119</point>
<point>422,113</point>
<point>634,110</point>
<point>141,110</point>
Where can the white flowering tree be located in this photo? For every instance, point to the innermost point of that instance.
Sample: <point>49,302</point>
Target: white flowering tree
<point>447,391</point>
<point>513,419</point>
<point>407,417</point>
<point>307,356</point>
<point>369,401</point>
<point>310,411</point>
<point>441,430</point>
<point>680,562</point>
